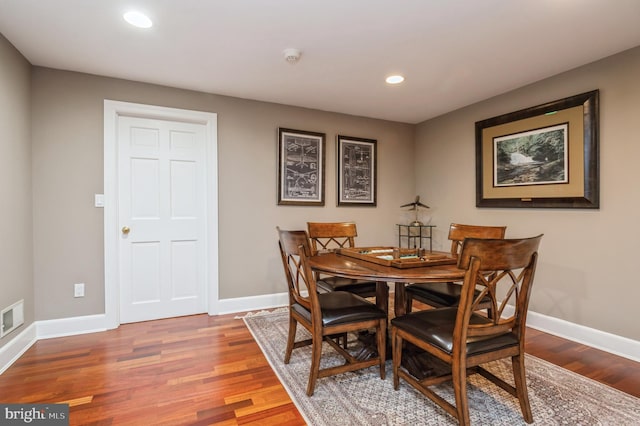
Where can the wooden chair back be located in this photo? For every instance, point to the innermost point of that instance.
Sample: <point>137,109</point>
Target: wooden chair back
<point>328,317</point>
<point>458,232</point>
<point>464,338</point>
<point>503,269</point>
<point>294,245</point>
<point>326,236</point>
<point>331,235</point>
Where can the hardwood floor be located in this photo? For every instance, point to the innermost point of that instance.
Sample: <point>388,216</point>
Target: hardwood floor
<point>615,371</point>
<point>202,370</point>
<point>196,370</point>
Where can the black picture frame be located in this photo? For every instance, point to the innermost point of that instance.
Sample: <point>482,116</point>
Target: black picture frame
<point>580,189</point>
<point>357,171</point>
<point>301,167</point>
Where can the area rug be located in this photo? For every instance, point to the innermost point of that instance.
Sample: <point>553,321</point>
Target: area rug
<point>557,396</point>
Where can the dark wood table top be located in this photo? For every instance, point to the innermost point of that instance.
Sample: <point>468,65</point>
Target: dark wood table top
<point>349,267</point>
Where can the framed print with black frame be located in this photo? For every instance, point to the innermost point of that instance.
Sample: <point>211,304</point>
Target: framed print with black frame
<point>301,157</point>
<point>545,156</point>
<point>357,180</point>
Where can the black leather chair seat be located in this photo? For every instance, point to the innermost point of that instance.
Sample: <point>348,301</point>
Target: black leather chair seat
<point>440,294</point>
<point>359,287</point>
<point>435,326</point>
<point>341,307</point>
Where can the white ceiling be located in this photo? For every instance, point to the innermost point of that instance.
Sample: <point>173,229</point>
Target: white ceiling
<point>452,52</point>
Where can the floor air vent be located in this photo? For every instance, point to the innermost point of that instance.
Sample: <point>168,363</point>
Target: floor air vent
<point>11,318</point>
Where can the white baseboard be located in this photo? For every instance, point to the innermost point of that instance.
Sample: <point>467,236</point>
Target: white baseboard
<point>10,352</point>
<point>607,342</point>
<point>13,350</point>
<point>253,303</point>
<point>612,343</point>
<point>71,326</point>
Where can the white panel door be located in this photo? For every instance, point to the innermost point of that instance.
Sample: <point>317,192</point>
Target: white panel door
<point>162,218</point>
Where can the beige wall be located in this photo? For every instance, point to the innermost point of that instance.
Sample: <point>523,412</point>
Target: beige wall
<point>16,282</point>
<point>586,274</point>
<point>68,171</point>
<point>586,267</point>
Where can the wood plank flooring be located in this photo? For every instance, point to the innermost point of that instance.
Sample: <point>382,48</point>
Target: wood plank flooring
<point>202,370</point>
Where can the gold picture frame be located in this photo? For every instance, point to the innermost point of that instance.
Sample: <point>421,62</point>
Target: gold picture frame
<point>545,156</point>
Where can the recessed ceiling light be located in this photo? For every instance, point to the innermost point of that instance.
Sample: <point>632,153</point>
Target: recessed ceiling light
<point>394,79</point>
<point>138,19</point>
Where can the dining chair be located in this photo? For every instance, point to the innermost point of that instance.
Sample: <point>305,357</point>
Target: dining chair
<point>448,293</point>
<point>463,337</point>
<point>326,315</point>
<point>327,236</point>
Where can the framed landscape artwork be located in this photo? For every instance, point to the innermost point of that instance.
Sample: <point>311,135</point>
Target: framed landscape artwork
<point>300,167</point>
<point>357,180</point>
<point>517,158</point>
<point>545,156</point>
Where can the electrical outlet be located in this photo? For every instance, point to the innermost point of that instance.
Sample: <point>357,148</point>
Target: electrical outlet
<point>78,290</point>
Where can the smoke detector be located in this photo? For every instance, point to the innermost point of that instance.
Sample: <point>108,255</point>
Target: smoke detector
<point>291,55</point>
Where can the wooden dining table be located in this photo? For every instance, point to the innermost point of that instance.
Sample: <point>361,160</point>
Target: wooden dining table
<point>419,363</point>
<point>355,268</point>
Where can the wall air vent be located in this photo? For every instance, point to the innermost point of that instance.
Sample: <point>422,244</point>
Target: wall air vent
<point>11,318</point>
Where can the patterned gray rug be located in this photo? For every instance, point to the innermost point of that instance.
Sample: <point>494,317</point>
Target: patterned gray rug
<point>558,396</point>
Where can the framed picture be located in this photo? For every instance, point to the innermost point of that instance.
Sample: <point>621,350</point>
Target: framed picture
<point>517,158</point>
<point>300,167</point>
<point>544,156</point>
<point>357,180</point>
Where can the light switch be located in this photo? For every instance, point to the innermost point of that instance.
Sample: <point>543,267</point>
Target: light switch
<point>99,200</point>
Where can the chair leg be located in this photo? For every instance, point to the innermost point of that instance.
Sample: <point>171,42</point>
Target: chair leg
<point>459,378</point>
<point>316,352</point>
<point>519,377</point>
<point>381,335</point>
<point>396,353</point>
<point>408,302</point>
<point>290,339</point>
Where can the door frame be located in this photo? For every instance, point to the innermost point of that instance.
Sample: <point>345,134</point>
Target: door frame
<point>113,110</point>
